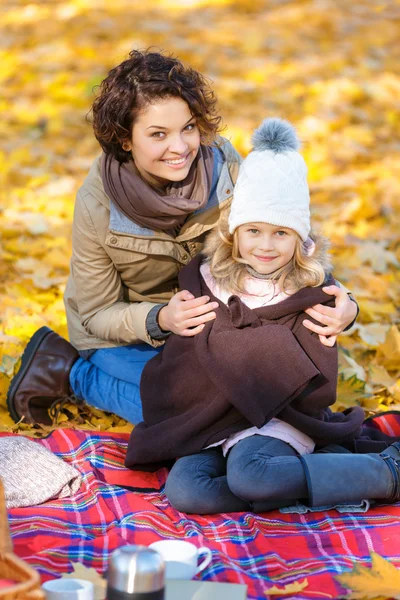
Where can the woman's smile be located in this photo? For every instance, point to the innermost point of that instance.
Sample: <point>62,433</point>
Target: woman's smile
<point>177,163</point>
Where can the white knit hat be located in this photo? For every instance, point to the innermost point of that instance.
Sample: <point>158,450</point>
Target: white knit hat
<point>272,182</point>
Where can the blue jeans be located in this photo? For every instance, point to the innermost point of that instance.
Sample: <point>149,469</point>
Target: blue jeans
<point>110,379</point>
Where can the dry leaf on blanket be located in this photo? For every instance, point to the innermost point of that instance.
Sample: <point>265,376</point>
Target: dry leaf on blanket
<point>82,572</point>
<point>382,580</point>
<point>389,352</point>
<point>291,588</point>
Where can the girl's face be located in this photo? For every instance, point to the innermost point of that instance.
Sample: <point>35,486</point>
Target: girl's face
<point>266,247</point>
<point>165,141</point>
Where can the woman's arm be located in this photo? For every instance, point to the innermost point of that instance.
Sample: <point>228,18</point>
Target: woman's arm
<point>99,288</point>
<point>333,320</point>
<point>100,296</point>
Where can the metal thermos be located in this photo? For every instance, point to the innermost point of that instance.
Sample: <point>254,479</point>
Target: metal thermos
<point>135,573</point>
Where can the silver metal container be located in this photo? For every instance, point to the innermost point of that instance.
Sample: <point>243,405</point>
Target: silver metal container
<point>135,573</point>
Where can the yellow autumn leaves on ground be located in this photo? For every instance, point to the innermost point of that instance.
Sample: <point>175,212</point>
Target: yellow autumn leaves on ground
<point>331,67</point>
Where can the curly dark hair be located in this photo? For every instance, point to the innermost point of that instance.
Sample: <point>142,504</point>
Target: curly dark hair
<point>140,80</point>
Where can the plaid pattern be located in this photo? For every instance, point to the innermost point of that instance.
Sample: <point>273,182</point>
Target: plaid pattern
<point>116,506</point>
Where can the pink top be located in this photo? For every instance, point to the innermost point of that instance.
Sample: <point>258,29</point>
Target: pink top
<point>259,292</point>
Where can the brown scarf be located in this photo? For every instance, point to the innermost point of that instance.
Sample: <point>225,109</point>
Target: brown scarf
<point>148,207</point>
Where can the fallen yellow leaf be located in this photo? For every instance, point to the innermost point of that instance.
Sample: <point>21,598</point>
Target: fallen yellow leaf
<point>381,580</point>
<point>291,588</point>
<point>379,375</point>
<point>395,391</point>
<point>349,392</point>
<point>373,311</point>
<point>389,352</point>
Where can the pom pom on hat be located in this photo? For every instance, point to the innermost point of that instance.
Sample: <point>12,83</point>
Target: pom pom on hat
<point>276,135</point>
<point>272,182</point>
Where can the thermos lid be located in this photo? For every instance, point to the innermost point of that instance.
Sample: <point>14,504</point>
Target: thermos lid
<point>136,569</point>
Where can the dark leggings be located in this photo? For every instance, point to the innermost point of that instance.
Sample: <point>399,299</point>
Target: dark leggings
<point>263,473</point>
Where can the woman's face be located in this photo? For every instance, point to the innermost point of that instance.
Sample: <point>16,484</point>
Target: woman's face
<point>165,141</point>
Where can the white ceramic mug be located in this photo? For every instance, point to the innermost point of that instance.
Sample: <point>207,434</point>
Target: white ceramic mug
<point>181,558</point>
<point>68,589</point>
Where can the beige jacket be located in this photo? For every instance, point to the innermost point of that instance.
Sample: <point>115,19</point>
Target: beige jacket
<point>120,271</point>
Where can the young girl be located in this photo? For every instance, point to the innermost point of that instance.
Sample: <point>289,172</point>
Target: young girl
<point>245,404</point>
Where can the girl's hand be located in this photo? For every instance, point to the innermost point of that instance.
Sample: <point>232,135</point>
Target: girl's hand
<point>334,320</point>
<point>186,315</point>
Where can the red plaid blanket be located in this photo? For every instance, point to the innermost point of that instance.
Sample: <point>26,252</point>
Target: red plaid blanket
<point>116,506</point>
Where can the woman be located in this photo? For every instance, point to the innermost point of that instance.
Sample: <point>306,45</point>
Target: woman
<point>142,213</point>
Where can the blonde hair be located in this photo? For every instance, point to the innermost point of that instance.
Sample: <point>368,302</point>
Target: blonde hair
<point>229,270</point>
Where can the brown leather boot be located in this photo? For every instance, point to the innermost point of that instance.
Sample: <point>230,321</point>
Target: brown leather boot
<point>43,377</point>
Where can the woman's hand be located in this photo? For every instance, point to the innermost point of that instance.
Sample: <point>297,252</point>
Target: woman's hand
<point>334,320</point>
<point>186,315</point>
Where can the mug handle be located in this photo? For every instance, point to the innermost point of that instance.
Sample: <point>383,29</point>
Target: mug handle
<point>206,561</point>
